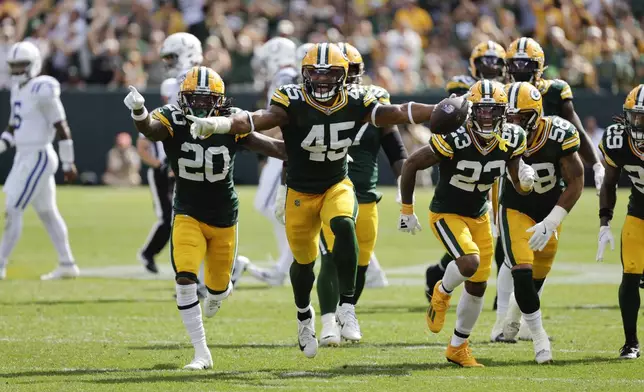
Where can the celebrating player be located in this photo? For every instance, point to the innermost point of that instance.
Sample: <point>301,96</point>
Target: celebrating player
<point>37,117</point>
<point>470,161</point>
<point>319,120</point>
<point>623,149</point>
<point>205,203</point>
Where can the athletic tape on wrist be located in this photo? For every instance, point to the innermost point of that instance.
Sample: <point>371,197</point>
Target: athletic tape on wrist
<point>140,117</point>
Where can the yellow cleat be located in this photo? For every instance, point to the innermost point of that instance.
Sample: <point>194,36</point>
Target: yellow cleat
<point>437,309</point>
<point>461,355</point>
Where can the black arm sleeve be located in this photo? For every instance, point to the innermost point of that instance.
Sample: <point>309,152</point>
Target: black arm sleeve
<point>393,146</point>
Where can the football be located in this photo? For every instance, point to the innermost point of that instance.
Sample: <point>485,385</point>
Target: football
<point>449,114</point>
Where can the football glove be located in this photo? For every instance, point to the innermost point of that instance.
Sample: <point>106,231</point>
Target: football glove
<point>280,204</point>
<point>203,128</point>
<point>409,223</point>
<point>600,172</point>
<point>134,100</point>
<point>605,237</point>
<point>544,230</point>
<point>526,176</point>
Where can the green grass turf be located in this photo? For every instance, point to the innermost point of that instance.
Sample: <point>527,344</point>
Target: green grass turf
<point>97,334</point>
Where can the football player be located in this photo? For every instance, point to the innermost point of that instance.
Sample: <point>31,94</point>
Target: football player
<point>470,160</point>
<point>623,148</point>
<point>204,226</point>
<point>363,173</point>
<point>36,117</point>
<point>530,247</point>
<point>319,119</point>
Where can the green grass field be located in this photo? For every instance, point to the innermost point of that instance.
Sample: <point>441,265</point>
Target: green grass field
<point>124,334</point>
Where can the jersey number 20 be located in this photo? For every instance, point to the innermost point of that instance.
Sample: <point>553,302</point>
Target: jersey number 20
<point>203,160</point>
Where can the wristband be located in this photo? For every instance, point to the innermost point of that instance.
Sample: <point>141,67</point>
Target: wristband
<point>606,213</point>
<point>407,209</point>
<point>557,215</point>
<point>409,116</point>
<point>250,119</point>
<point>140,117</point>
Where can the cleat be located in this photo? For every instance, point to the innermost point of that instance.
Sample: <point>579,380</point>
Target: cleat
<point>438,306</point>
<point>148,262</point>
<point>211,306</point>
<point>62,272</point>
<point>270,276</point>
<point>496,336</point>
<point>542,351</point>
<point>350,329</point>
<point>461,355</point>
<point>330,336</point>
<point>200,362</point>
<point>241,263</point>
<point>306,336</point>
<point>512,321</point>
<point>375,279</point>
<point>629,351</point>
<point>432,275</point>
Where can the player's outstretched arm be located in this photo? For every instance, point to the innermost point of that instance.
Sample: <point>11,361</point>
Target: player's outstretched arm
<point>421,159</point>
<point>406,113</point>
<point>152,129</point>
<point>239,123</point>
<point>6,139</point>
<point>572,171</point>
<point>265,145</point>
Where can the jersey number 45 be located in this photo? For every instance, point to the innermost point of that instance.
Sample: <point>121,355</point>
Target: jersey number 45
<point>337,148</point>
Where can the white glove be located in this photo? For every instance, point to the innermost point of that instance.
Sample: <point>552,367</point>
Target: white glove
<point>409,223</point>
<point>280,204</point>
<point>526,176</point>
<point>600,172</point>
<point>546,228</point>
<point>134,100</point>
<point>605,237</point>
<point>203,128</point>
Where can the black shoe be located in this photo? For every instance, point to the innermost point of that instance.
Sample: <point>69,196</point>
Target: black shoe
<point>629,351</point>
<point>433,274</point>
<point>642,282</point>
<point>148,262</point>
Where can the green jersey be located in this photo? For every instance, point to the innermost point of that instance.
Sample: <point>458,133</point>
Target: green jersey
<point>468,169</point>
<point>204,186</point>
<point>363,171</point>
<point>554,139</point>
<point>622,152</point>
<point>317,137</point>
<point>554,93</point>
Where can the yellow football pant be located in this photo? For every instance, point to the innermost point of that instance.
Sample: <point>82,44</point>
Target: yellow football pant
<point>193,241</point>
<point>462,236</point>
<point>305,213</point>
<point>633,245</point>
<point>366,231</point>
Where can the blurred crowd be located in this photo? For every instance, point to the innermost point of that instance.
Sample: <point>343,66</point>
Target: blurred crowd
<point>408,45</point>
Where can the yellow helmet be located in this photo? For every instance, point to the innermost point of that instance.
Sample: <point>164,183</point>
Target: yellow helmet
<point>324,70</point>
<point>201,93</point>
<point>634,113</point>
<point>487,61</point>
<point>356,65</point>
<point>525,106</point>
<point>525,60</point>
<point>489,104</point>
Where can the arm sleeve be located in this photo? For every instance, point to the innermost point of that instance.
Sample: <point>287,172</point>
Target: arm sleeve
<point>394,147</point>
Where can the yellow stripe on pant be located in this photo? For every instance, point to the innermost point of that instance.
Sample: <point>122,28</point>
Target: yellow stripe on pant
<point>366,231</point>
<point>633,245</point>
<point>305,213</point>
<point>193,241</point>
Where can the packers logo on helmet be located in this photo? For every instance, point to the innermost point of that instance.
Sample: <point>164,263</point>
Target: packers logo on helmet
<point>525,106</point>
<point>489,104</point>
<point>487,61</point>
<point>324,70</point>
<point>525,60</point>
<point>356,65</point>
<point>634,113</point>
<point>202,94</point>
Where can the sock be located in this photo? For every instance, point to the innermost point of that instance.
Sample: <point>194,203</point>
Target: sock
<point>327,285</point>
<point>190,312</point>
<point>525,292</point>
<point>629,304</point>
<point>361,277</point>
<point>534,322</point>
<point>304,313</point>
<point>467,312</point>
<point>12,232</point>
<point>504,289</point>
<point>345,254</point>
<point>286,256</point>
<point>302,278</point>
<point>452,279</point>
<point>445,260</point>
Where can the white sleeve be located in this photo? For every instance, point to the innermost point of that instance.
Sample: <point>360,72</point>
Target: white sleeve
<point>169,89</point>
<point>49,96</point>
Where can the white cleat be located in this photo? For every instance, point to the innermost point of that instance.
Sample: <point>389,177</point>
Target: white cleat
<point>542,351</point>
<point>330,331</point>
<point>200,362</point>
<point>241,263</point>
<point>306,338</point>
<point>211,306</point>
<point>512,321</point>
<point>496,336</point>
<point>350,329</point>
<point>269,276</point>
<point>62,272</point>
<point>375,279</point>
<point>524,332</point>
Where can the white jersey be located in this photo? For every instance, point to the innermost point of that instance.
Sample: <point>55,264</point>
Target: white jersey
<point>35,108</point>
<point>170,88</point>
<point>283,76</point>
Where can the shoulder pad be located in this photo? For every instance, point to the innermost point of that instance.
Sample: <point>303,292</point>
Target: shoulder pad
<point>285,94</point>
<point>443,144</point>
<point>563,87</point>
<point>45,86</point>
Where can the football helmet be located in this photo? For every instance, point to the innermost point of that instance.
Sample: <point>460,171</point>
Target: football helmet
<point>489,105</point>
<point>277,53</point>
<point>525,105</point>
<point>487,61</point>
<point>179,52</point>
<point>202,94</point>
<point>24,61</point>
<point>324,70</point>
<point>356,65</point>
<point>634,113</point>
<point>525,60</point>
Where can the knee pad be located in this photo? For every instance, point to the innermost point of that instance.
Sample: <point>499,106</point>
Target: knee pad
<point>342,226</point>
